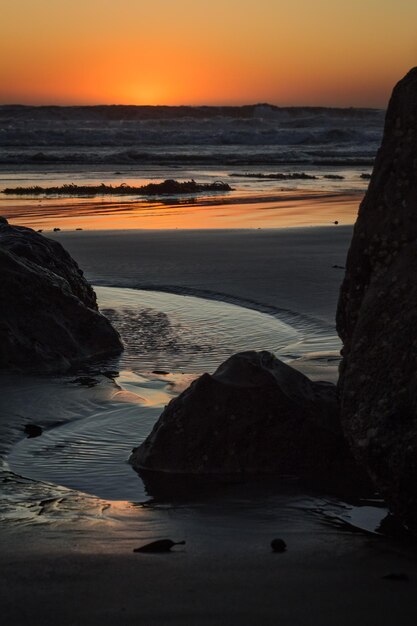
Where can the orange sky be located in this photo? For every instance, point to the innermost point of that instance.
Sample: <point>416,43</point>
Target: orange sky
<point>285,52</point>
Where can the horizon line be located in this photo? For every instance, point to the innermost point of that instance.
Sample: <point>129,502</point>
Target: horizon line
<point>196,106</point>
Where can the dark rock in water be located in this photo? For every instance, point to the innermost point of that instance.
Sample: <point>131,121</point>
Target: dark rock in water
<point>111,374</point>
<point>366,176</point>
<point>278,545</point>
<point>57,230</point>
<point>377,315</point>
<point>85,381</point>
<point>32,430</point>
<point>162,545</point>
<point>392,527</point>
<point>48,311</point>
<point>254,415</point>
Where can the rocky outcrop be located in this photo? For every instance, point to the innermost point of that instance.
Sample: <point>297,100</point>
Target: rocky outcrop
<point>377,314</point>
<point>254,415</point>
<point>48,311</point>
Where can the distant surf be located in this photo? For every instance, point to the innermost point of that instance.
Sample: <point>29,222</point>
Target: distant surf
<point>254,134</point>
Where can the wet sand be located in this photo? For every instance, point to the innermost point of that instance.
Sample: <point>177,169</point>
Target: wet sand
<point>325,580</point>
<point>67,557</point>
<point>285,269</point>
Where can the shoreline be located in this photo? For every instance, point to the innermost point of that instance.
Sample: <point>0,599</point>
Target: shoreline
<point>155,368</point>
<point>289,269</point>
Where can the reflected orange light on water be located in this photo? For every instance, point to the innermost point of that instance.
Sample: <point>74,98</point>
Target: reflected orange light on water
<point>287,210</point>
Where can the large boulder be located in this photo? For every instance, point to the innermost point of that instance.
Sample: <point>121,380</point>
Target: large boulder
<point>254,415</point>
<point>48,311</point>
<point>377,314</point>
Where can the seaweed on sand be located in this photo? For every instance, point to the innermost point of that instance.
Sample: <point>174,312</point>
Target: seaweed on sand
<point>153,189</point>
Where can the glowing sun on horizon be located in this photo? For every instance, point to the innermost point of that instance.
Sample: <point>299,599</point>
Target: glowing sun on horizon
<point>147,93</point>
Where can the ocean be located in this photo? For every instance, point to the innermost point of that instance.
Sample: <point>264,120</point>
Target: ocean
<point>287,166</point>
<point>141,135</point>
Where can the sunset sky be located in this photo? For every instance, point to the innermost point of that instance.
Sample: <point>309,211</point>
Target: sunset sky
<point>285,52</point>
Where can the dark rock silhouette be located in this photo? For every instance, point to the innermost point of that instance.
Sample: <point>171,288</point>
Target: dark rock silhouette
<point>161,545</point>
<point>29,246</point>
<point>32,430</point>
<point>278,545</point>
<point>254,415</point>
<point>152,189</point>
<point>377,314</point>
<point>48,311</point>
<point>398,577</point>
<point>85,381</point>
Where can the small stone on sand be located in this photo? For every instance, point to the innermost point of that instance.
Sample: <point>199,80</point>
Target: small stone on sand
<point>278,545</point>
<point>401,577</point>
<point>32,430</point>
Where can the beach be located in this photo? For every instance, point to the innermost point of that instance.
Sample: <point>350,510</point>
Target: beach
<point>226,575</point>
<point>284,268</point>
<point>67,551</point>
<point>188,280</point>
<point>208,330</point>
